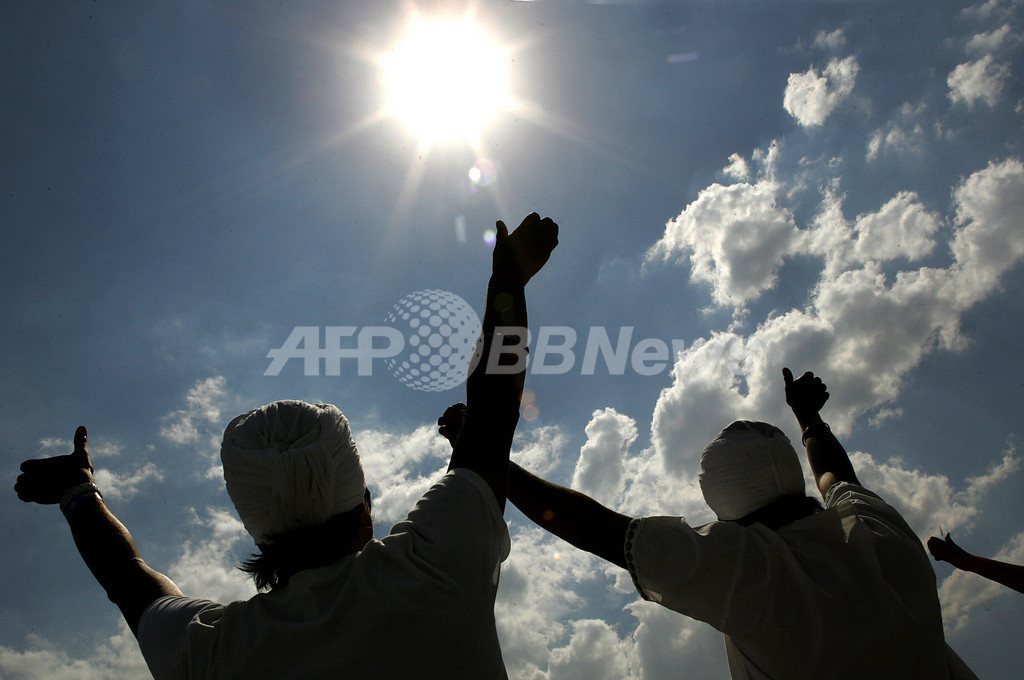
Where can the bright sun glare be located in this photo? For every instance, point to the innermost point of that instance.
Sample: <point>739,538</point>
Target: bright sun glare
<point>446,80</point>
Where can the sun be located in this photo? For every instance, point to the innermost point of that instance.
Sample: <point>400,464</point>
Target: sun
<point>446,80</point>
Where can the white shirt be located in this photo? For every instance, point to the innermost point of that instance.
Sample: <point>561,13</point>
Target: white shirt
<point>847,593</point>
<point>417,604</point>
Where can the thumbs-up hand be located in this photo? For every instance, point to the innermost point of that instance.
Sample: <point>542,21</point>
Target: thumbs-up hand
<point>805,395</point>
<point>44,480</point>
<point>521,254</point>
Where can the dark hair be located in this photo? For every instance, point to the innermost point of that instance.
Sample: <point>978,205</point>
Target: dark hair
<point>782,511</point>
<point>306,548</point>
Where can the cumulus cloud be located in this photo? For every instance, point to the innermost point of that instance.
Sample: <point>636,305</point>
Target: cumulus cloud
<point>117,656</point>
<point>988,241</point>
<point>539,450</point>
<point>811,97</point>
<point>833,41</point>
<point>919,306</point>
<point>399,468</point>
<point>902,228</point>
<point>599,470</point>
<point>124,485</point>
<point>594,652</point>
<point>903,135</point>
<point>735,237</point>
<point>738,168</point>
<point>666,642</point>
<point>203,406</point>
<point>990,41</point>
<point>985,10</point>
<point>206,566</point>
<point>540,591</point>
<point>980,81</point>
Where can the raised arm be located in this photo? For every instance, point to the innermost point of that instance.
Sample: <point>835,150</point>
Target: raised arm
<point>826,456</point>
<point>104,543</point>
<point>494,388</point>
<point>1009,575</point>
<point>570,515</point>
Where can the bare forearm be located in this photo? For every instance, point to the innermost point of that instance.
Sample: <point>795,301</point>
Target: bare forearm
<point>110,552</point>
<point>572,516</point>
<point>1009,575</point>
<point>827,457</point>
<point>494,387</point>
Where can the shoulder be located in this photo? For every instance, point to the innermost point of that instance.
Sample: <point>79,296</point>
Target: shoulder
<point>166,625</point>
<point>853,499</point>
<point>847,493</point>
<point>176,608</point>
<point>457,516</point>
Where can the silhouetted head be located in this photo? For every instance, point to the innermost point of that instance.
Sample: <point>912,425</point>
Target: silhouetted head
<point>294,476</point>
<point>747,467</point>
<point>291,465</point>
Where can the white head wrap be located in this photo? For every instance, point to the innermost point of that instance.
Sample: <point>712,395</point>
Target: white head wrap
<point>746,467</point>
<point>289,465</point>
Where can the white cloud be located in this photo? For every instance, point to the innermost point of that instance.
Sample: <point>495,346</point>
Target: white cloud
<point>735,237</point>
<point>978,486</point>
<point>738,168</point>
<point>986,43</point>
<point>122,486</point>
<point>594,652</point>
<point>207,567</point>
<point>902,228</point>
<point>985,9</point>
<point>203,406</point>
<point>978,81</point>
<point>399,468</point>
<point>667,642</point>
<point>599,469</point>
<point>539,593</point>
<point>539,450</point>
<point>989,239</point>
<point>919,307</point>
<point>811,97</point>
<point>903,135</point>
<point>115,657</point>
<point>832,41</point>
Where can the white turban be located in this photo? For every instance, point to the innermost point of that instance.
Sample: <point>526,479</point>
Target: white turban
<point>290,465</point>
<point>746,467</point>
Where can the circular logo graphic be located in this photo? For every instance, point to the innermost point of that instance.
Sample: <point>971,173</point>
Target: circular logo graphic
<point>440,330</point>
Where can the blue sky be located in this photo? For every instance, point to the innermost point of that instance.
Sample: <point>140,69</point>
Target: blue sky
<point>832,186</point>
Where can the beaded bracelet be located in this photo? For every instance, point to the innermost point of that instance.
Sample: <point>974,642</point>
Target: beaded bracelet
<point>76,495</point>
<point>803,437</point>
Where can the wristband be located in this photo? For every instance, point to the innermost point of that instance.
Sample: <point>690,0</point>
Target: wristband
<point>76,495</point>
<point>803,437</point>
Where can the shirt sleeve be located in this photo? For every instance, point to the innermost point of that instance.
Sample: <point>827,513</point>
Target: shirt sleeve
<point>696,571</point>
<point>456,531</point>
<point>164,629</point>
